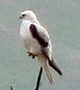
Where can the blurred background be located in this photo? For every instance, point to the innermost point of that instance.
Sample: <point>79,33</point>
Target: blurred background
<point>62,20</point>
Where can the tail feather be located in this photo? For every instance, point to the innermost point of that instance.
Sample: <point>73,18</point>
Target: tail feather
<point>44,65</point>
<point>48,74</point>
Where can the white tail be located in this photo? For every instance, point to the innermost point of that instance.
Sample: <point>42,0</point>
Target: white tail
<point>43,62</point>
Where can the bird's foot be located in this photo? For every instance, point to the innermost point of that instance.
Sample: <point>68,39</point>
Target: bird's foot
<point>32,55</point>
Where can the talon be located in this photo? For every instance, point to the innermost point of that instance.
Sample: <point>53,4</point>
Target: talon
<point>29,54</point>
<point>32,55</point>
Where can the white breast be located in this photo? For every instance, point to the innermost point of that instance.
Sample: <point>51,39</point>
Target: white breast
<point>29,42</point>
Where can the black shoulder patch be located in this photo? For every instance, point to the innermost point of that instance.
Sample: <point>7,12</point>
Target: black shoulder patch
<point>37,36</point>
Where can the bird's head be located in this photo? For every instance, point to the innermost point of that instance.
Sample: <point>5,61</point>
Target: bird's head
<point>27,15</point>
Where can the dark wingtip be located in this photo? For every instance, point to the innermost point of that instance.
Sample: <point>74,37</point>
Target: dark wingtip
<point>60,73</point>
<point>53,64</point>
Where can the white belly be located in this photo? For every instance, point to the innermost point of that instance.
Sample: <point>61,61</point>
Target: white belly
<point>30,43</point>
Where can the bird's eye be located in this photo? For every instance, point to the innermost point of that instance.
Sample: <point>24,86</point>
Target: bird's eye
<point>23,15</point>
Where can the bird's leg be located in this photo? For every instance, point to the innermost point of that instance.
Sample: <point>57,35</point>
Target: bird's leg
<point>32,55</point>
<point>38,79</point>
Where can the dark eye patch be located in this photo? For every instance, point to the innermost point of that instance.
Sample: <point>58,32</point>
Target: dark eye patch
<point>23,15</point>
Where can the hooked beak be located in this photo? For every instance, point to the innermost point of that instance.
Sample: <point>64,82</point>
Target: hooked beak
<point>20,17</point>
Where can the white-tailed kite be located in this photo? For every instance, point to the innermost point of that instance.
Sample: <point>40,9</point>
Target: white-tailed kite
<point>36,40</point>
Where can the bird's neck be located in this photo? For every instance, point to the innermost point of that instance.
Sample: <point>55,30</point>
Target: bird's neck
<point>32,20</point>
<point>35,21</point>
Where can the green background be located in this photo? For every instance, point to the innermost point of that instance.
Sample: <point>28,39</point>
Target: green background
<point>62,20</point>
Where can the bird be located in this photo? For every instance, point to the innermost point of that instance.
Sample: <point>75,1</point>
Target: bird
<point>37,42</point>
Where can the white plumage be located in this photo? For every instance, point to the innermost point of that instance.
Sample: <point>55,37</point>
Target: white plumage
<point>36,40</point>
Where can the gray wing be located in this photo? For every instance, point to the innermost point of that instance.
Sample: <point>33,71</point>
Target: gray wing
<point>44,41</point>
<point>41,37</point>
